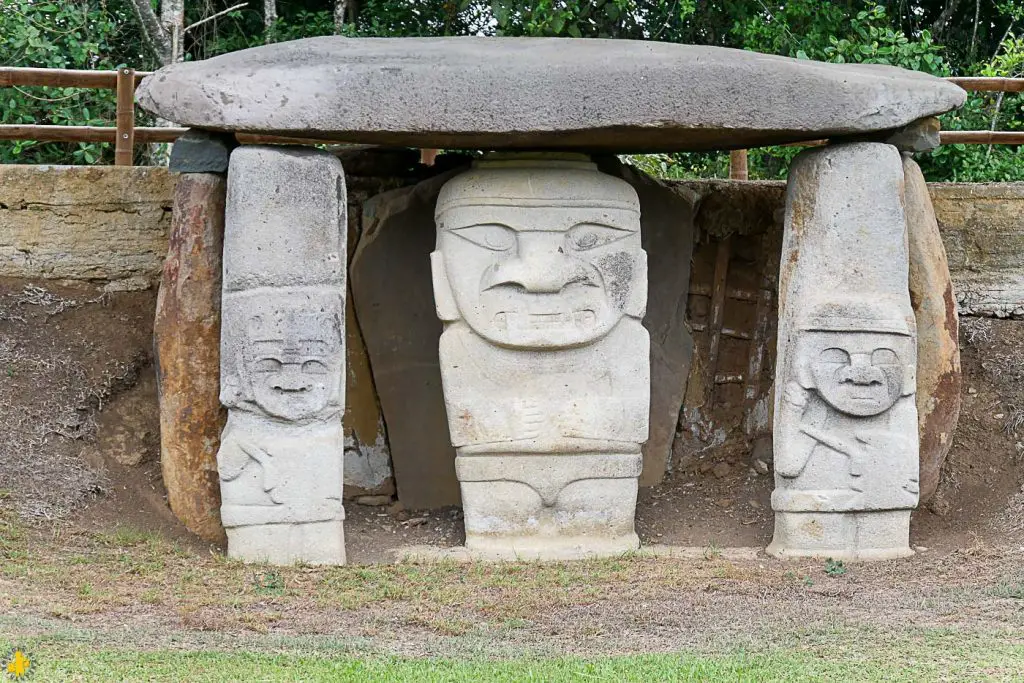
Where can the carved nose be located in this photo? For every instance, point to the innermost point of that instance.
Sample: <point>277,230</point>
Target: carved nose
<point>861,372</point>
<point>290,381</point>
<point>541,267</point>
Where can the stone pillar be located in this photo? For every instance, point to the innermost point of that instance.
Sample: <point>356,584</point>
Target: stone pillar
<point>846,442</point>
<point>283,356</point>
<point>187,336</point>
<point>541,281</point>
<point>939,378</point>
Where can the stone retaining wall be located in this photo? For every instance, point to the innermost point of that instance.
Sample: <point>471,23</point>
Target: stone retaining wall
<point>983,229</point>
<point>84,222</point>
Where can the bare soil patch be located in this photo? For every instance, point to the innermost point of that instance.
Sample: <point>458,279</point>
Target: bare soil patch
<point>65,352</point>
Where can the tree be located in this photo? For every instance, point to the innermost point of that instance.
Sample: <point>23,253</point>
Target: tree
<point>72,34</point>
<point>942,37</point>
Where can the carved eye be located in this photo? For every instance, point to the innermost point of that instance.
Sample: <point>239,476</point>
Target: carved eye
<point>314,367</point>
<point>837,356</point>
<point>491,236</point>
<point>268,365</point>
<point>588,236</point>
<point>884,357</point>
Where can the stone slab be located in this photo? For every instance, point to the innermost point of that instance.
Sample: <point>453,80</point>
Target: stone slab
<point>434,554</point>
<point>523,93</point>
<point>390,275</point>
<point>198,151</point>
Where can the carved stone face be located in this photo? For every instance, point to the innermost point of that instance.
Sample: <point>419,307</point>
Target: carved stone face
<point>292,363</point>
<point>857,373</point>
<point>558,270</point>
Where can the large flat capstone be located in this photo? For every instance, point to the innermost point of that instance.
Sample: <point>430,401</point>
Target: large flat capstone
<point>515,93</point>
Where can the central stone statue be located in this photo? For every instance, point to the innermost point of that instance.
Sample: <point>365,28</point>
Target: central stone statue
<point>541,282</point>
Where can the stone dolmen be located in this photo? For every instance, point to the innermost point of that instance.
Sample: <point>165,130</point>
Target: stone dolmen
<point>541,280</point>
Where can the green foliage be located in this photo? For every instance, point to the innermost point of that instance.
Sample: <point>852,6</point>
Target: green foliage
<point>985,111</point>
<point>67,34</point>
<point>269,582</point>
<point>597,19</point>
<point>933,36</point>
<point>835,568</point>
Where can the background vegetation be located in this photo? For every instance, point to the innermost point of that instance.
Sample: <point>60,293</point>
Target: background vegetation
<point>941,37</point>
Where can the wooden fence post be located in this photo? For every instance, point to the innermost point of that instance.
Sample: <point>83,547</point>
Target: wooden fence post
<point>738,164</point>
<point>124,145</point>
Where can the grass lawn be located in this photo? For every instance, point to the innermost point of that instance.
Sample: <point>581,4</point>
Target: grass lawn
<point>938,655</point>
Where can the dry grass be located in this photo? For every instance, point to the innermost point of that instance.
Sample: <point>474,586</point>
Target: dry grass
<point>128,585</point>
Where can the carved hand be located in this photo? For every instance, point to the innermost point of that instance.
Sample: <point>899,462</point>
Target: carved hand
<point>528,419</point>
<point>795,395</point>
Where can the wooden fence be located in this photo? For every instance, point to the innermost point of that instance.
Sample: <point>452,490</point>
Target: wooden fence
<point>125,134</point>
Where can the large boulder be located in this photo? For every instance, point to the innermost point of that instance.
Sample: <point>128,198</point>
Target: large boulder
<point>612,95</point>
<point>938,352</point>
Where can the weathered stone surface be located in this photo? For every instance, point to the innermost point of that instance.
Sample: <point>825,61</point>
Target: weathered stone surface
<point>367,457</point>
<point>982,228</point>
<point>919,136</point>
<point>293,240</point>
<point>614,95</point>
<point>187,342</point>
<point>84,222</point>
<point>541,281</point>
<point>198,151</point>
<point>390,274</point>
<point>282,356</point>
<point>938,352</point>
<point>845,433</point>
<point>667,236</point>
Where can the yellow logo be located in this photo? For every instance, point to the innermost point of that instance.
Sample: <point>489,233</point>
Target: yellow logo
<point>18,664</point>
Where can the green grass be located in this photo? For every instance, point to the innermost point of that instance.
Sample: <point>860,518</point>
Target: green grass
<point>926,656</point>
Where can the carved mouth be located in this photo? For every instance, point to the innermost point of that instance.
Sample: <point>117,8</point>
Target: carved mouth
<point>548,319</point>
<point>582,319</point>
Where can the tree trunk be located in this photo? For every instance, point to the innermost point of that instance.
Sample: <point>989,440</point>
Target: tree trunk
<point>172,18</point>
<point>269,18</point>
<point>152,31</point>
<point>340,9</point>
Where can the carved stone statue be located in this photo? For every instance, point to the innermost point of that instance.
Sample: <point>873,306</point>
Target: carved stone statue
<point>541,282</point>
<point>846,441</point>
<point>282,358</point>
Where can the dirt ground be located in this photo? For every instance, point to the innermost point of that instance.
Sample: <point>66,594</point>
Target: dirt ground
<point>87,541</point>
<point>82,440</point>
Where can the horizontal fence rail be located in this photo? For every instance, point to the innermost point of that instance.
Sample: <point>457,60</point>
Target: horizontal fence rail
<point>85,133</point>
<point>125,135</point>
